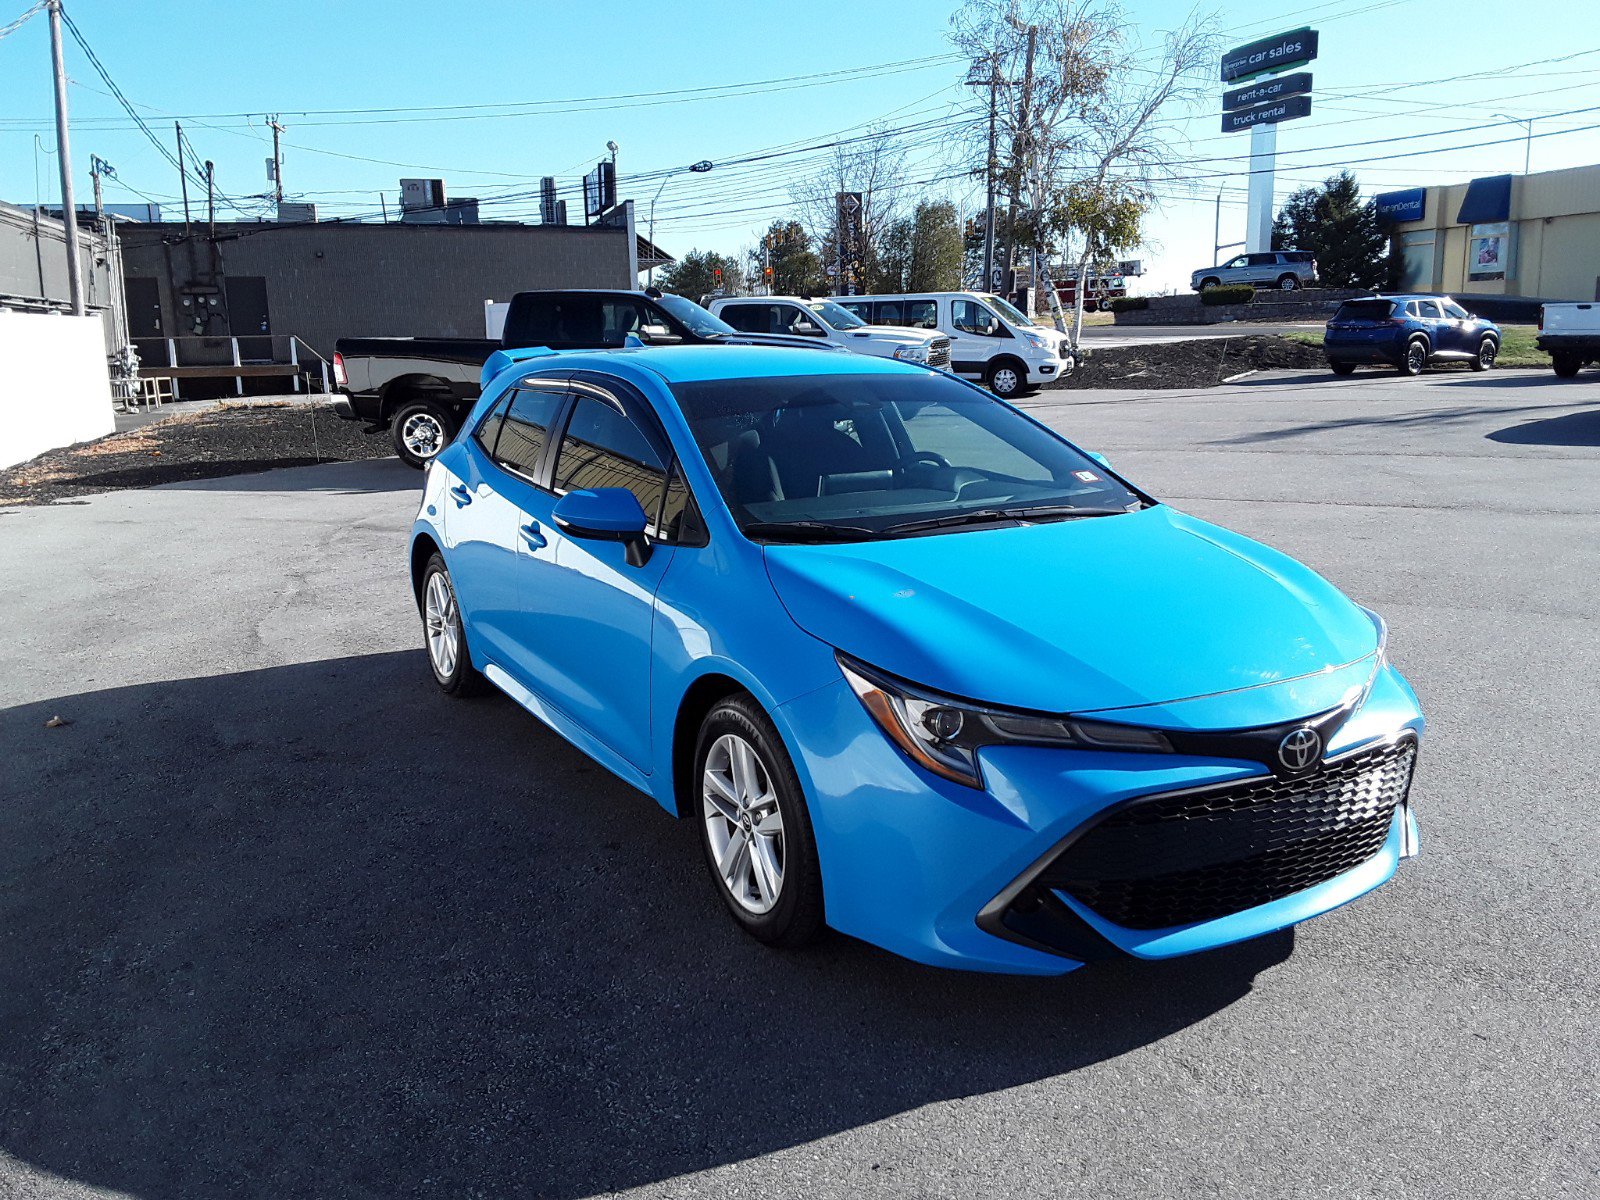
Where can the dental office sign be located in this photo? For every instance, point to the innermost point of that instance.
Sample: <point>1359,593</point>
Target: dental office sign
<point>1270,55</point>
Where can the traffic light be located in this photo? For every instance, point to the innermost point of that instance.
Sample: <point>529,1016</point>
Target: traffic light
<point>716,273</point>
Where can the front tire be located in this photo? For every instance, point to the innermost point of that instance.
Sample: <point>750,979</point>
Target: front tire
<point>1487,351</point>
<point>1006,379</point>
<point>754,826</point>
<point>1208,283</point>
<point>1415,361</point>
<point>1566,366</point>
<point>444,636</point>
<point>420,429</point>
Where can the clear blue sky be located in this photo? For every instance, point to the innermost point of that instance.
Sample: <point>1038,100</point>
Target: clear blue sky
<point>1387,70</point>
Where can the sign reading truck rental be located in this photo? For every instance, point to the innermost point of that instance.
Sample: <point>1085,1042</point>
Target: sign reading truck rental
<point>1266,114</point>
<point>1270,55</point>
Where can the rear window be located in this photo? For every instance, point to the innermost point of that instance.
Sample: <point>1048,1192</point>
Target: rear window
<point>1364,310</point>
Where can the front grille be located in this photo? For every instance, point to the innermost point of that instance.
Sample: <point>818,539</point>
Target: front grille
<point>1192,856</point>
<point>939,353</point>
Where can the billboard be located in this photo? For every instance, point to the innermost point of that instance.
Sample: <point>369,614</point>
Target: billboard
<point>1267,90</point>
<point>1270,55</point>
<point>547,200</point>
<point>599,189</point>
<point>1266,114</point>
<point>1411,204</point>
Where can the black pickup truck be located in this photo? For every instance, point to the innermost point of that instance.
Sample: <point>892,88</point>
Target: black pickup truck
<point>421,389</point>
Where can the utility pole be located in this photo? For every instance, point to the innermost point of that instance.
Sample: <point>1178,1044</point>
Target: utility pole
<point>98,167</point>
<point>69,206</point>
<point>993,84</point>
<point>1027,151</point>
<point>211,199</point>
<point>277,159</point>
<point>183,176</point>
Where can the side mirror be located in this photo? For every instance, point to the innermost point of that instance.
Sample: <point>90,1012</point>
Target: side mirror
<point>658,335</point>
<point>1099,458</point>
<point>605,515</point>
<point>808,329</point>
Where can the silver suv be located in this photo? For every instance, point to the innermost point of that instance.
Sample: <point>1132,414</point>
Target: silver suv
<point>1286,270</point>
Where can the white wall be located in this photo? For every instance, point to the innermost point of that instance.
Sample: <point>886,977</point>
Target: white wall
<point>54,386</point>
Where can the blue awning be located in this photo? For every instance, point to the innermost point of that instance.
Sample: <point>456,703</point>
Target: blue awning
<point>1487,200</point>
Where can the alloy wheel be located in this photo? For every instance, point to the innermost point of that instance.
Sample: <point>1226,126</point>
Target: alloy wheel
<point>1416,358</point>
<point>442,620</point>
<point>1486,354</point>
<point>422,434</point>
<point>744,823</point>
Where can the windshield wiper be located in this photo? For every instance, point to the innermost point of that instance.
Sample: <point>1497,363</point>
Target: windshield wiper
<point>807,531</point>
<point>981,516</point>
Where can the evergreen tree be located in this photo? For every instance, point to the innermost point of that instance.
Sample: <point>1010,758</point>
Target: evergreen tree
<point>796,270</point>
<point>936,248</point>
<point>1349,240</point>
<point>696,275</point>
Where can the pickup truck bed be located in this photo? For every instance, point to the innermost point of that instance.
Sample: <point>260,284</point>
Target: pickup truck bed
<point>1570,335</point>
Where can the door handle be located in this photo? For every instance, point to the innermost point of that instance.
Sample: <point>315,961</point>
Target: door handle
<point>532,535</point>
<point>461,495</point>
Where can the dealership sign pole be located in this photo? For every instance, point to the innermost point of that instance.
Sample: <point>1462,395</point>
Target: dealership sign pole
<point>1259,106</point>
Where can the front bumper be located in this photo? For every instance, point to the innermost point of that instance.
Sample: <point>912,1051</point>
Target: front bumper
<point>932,870</point>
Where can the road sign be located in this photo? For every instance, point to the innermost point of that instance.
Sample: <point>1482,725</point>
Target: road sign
<point>1267,90</point>
<point>1270,55</point>
<point>1266,114</point>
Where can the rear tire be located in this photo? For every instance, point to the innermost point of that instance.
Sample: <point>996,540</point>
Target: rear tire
<point>1415,361</point>
<point>1288,283</point>
<point>1488,349</point>
<point>444,636</point>
<point>753,821</point>
<point>1566,365</point>
<point>1343,368</point>
<point>419,430</point>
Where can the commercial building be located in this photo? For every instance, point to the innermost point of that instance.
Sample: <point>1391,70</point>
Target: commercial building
<point>1503,235</point>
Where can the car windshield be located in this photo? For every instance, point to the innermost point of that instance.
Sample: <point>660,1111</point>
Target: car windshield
<point>1009,311</point>
<point>851,457</point>
<point>694,318</point>
<point>1364,310</point>
<point>834,314</point>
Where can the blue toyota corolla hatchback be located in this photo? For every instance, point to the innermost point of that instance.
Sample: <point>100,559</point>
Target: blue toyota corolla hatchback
<point>915,666</point>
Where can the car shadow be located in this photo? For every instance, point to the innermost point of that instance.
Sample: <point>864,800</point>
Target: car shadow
<point>1571,429</point>
<point>358,476</point>
<point>318,930</point>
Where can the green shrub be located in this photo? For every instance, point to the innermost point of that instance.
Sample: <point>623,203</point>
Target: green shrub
<point>1128,303</point>
<point>1228,293</point>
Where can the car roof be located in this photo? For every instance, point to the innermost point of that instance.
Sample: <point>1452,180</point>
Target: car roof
<point>699,363</point>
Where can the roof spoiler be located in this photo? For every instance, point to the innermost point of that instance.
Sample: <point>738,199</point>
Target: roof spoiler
<point>501,359</point>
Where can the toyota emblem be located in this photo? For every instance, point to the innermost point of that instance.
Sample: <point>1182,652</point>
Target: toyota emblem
<point>1300,748</point>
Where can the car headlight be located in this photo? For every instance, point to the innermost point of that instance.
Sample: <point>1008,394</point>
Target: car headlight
<point>1038,343</point>
<point>944,734</point>
<point>911,354</point>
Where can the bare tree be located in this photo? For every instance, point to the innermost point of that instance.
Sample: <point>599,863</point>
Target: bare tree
<point>1080,106</point>
<point>873,166</point>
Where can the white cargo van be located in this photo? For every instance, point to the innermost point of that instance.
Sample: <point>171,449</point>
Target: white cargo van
<point>823,319</point>
<point>990,339</point>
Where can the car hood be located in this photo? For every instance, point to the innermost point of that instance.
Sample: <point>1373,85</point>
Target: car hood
<point>889,337</point>
<point>1074,616</point>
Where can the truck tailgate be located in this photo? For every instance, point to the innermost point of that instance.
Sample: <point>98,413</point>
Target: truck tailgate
<point>1563,319</point>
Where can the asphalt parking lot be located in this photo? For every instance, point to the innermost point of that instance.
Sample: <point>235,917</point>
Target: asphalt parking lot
<point>276,919</point>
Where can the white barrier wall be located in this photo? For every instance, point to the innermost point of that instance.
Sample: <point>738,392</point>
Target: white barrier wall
<point>55,388</point>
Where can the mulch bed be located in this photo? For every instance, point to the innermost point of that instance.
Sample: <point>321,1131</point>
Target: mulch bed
<point>1202,362</point>
<point>234,440</point>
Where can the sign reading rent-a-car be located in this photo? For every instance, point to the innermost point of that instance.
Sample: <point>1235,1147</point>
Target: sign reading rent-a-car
<point>1266,114</point>
<point>1264,90</point>
<point>1270,55</point>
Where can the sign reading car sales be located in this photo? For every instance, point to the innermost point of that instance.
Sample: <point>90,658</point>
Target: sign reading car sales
<point>1270,55</point>
<point>1266,90</point>
<point>1266,114</point>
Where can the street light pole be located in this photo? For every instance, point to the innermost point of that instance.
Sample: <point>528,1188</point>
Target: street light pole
<point>69,204</point>
<point>699,168</point>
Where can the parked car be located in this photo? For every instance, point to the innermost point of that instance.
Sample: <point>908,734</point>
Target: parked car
<point>1570,335</point>
<point>420,388</point>
<point>1286,270</point>
<point>800,316</point>
<point>990,339</point>
<point>1408,332</point>
<point>912,664</point>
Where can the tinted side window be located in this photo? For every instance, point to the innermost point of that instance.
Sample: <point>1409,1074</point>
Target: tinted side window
<point>602,448</point>
<point>1430,309</point>
<point>488,429</point>
<point>1455,312</point>
<point>924,314</point>
<point>860,308</point>
<point>747,318</point>
<point>525,430</point>
<point>1263,260</point>
<point>889,313</point>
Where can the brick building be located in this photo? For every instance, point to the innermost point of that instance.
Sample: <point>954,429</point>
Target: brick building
<point>262,282</point>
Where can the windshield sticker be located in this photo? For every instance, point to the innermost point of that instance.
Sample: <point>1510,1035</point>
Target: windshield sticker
<point>1086,476</point>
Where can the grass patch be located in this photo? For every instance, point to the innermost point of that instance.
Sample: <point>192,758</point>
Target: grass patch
<point>1517,347</point>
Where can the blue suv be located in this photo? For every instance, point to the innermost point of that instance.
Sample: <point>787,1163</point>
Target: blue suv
<point>1408,332</point>
<point>914,666</point>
